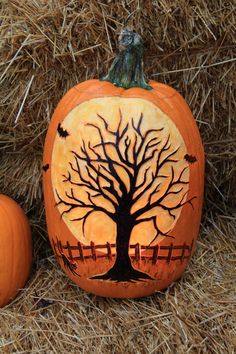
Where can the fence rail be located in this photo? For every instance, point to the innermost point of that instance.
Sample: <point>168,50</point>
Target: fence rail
<point>158,253</point>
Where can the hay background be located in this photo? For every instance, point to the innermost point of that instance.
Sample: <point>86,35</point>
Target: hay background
<point>45,48</point>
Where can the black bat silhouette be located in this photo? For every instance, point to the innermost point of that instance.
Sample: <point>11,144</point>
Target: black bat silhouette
<point>46,167</point>
<point>63,133</point>
<point>190,158</point>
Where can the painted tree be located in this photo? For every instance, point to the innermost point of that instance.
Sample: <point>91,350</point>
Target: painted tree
<point>123,176</point>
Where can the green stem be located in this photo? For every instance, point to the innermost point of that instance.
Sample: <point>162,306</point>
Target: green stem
<point>127,68</point>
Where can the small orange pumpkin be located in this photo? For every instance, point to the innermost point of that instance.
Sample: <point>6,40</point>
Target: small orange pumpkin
<point>15,249</point>
<point>123,180</point>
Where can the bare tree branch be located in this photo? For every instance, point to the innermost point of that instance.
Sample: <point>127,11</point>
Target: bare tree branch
<point>134,151</point>
<point>80,204</point>
<point>159,202</point>
<point>92,183</point>
<point>158,231</point>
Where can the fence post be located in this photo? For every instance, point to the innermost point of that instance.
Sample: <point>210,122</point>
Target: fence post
<point>69,251</point>
<point>137,252</point>
<point>183,252</point>
<point>191,248</point>
<point>59,246</point>
<point>155,254</point>
<point>93,250</point>
<point>109,254</point>
<point>170,253</point>
<point>81,254</point>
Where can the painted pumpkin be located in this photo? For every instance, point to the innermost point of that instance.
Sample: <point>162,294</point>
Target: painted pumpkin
<point>123,180</point>
<point>15,248</point>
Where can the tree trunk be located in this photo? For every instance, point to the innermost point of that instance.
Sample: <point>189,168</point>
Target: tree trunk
<point>122,269</point>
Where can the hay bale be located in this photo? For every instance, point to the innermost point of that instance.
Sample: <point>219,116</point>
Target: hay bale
<point>46,47</point>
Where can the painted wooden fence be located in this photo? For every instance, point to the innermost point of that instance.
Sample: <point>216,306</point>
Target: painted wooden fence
<point>81,252</point>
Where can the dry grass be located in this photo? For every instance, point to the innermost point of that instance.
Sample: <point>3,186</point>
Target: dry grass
<point>196,315</point>
<point>45,48</point>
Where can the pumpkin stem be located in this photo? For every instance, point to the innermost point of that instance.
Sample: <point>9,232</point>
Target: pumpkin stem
<point>127,68</point>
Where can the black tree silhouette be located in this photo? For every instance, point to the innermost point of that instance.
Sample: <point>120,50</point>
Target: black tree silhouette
<point>122,169</point>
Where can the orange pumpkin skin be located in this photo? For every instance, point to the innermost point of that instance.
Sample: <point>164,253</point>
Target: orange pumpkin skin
<point>16,249</point>
<point>164,263</point>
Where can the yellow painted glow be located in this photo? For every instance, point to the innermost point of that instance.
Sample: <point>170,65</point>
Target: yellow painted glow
<point>98,227</point>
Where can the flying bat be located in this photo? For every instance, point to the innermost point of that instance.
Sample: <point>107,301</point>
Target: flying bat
<point>190,158</point>
<point>63,133</point>
<point>46,167</point>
